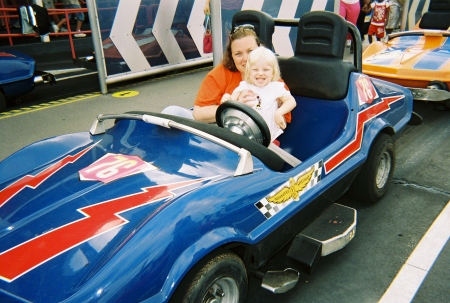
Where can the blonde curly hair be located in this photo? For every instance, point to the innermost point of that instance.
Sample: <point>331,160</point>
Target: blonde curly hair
<point>269,56</point>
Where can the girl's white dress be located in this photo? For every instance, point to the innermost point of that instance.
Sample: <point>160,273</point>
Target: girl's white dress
<point>267,103</point>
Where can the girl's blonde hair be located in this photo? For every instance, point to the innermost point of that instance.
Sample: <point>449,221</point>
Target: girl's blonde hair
<point>269,56</point>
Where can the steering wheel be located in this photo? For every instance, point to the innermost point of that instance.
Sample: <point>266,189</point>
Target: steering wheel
<point>243,120</point>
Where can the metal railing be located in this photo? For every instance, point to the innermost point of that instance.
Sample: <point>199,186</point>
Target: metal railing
<point>7,13</point>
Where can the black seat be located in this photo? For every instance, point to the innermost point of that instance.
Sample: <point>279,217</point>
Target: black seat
<point>263,23</point>
<point>317,69</point>
<point>437,16</point>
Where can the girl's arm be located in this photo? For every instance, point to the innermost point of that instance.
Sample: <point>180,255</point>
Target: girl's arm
<point>287,105</point>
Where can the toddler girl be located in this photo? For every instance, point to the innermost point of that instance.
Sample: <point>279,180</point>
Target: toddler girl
<point>262,74</point>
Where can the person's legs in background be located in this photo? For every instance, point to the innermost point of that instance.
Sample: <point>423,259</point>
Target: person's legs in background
<point>49,4</point>
<point>349,12</point>
<point>80,20</point>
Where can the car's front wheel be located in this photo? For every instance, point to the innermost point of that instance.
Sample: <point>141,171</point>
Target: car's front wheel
<point>376,173</point>
<point>220,278</point>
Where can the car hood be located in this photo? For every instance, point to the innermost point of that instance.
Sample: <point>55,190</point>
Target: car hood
<point>413,57</point>
<point>82,198</point>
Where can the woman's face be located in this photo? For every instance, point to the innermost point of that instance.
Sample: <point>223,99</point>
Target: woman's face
<point>240,49</point>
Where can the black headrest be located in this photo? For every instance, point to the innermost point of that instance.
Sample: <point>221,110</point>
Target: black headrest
<point>315,77</point>
<point>439,5</point>
<point>437,16</point>
<point>318,69</point>
<point>321,33</point>
<point>263,23</point>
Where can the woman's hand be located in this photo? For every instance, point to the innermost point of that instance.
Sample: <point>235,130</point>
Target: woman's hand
<point>247,96</point>
<point>225,98</point>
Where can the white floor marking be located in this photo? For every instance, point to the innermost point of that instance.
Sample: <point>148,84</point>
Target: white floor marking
<point>66,70</point>
<point>408,280</point>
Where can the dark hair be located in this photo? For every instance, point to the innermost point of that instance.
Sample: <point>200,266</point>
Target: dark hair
<point>227,59</point>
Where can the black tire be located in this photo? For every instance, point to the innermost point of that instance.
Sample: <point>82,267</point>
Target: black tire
<point>375,176</point>
<point>2,102</point>
<point>222,273</point>
<point>438,85</point>
<point>443,86</point>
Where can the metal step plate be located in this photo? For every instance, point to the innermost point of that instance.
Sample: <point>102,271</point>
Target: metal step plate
<point>334,228</point>
<point>331,231</point>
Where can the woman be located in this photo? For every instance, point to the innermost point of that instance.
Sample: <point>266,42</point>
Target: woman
<point>225,77</point>
<point>221,81</point>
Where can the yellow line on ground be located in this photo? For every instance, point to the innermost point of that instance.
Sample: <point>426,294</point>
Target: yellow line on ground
<point>50,104</point>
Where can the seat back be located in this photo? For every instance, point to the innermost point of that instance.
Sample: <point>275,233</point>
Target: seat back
<point>317,69</point>
<point>318,78</point>
<point>315,125</point>
<point>437,16</point>
<point>263,23</point>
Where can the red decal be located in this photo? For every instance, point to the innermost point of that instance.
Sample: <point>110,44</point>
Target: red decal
<point>363,117</point>
<point>2,54</point>
<point>100,218</point>
<point>34,181</point>
<point>112,167</point>
<point>366,90</point>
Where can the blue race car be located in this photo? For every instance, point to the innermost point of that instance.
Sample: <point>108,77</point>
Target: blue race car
<point>18,76</point>
<point>159,208</point>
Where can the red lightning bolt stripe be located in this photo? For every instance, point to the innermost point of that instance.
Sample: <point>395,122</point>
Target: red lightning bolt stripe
<point>355,145</point>
<point>34,181</point>
<point>100,218</point>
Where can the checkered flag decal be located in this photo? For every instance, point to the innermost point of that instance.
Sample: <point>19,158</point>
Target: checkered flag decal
<point>269,209</point>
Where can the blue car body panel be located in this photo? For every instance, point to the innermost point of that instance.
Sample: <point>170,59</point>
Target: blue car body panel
<point>16,73</point>
<point>69,233</point>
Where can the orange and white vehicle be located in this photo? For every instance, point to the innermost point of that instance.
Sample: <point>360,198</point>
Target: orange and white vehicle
<point>418,59</point>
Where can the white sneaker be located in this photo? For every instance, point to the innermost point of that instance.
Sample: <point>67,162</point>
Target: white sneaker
<point>55,28</point>
<point>63,30</point>
<point>79,35</point>
<point>349,42</point>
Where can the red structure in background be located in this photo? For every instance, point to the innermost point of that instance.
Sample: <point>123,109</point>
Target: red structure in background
<point>8,12</point>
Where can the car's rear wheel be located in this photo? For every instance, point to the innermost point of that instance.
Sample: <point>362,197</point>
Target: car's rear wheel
<point>376,173</point>
<point>435,84</point>
<point>438,85</point>
<point>220,278</point>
